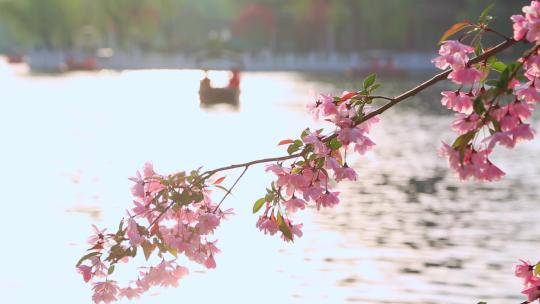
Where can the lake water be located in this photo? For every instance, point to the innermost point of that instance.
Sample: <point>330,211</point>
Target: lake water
<point>406,232</point>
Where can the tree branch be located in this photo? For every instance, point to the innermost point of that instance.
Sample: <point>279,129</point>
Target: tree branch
<point>259,161</point>
<point>232,187</point>
<point>442,76</point>
<point>393,101</point>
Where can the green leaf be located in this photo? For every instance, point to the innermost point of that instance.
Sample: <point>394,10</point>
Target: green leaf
<point>536,270</point>
<point>496,125</point>
<point>111,269</point>
<point>478,48</point>
<point>369,81</point>
<point>295,146</point>
<point>335,144</point>
<point>374,87</point>
<point>197,196</point>
<point>478,106</point>
<point>292,148</point>
<point>454,29</point>
<point>498,66</point>
<point>283,227</point>
<point>221,187</point>
<point>484,16</point>
<point>173,251</point>
<point>258,204</point>
<point>504,79</point>
<point>85,257</point>
<point>463,140</point>
<point>147,249</point>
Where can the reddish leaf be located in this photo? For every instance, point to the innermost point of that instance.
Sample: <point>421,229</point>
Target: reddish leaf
<point>347,96</point>
<point>285,142</point>
<point>454,29</point>
<point>219,180</point>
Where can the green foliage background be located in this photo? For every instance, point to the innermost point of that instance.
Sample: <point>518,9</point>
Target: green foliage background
<point>191,25</point>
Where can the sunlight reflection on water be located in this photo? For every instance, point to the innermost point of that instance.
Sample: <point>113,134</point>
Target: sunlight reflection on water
<point>407,232</point>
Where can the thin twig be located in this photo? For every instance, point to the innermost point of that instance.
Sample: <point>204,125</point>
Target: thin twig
<point>209,173</point>
<point>230,189</point>
<point>488,29</point>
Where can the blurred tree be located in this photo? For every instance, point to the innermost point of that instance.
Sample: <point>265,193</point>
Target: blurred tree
<point>276,25</point>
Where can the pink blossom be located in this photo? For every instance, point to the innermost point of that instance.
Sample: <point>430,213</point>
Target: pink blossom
<point>490,173</point>
<point>99,267</point>
<point>210,263</point>
<point>312,193</point>
<point>98,238</point>
<point>367,125</point>
<point>173,276</point>
<point>364,146</point>
<point>504,138</point>
<point>267,225</point>
<point>457,101</point>
<point>138,189</point>
<point>453,54</point>
<point>519,26</point>
<point>351,135</point>
<point>296,230</point>
<point>105,292</point>
<point>324,106</point>
<point>522,132</point>
<point>520,109</point>
<point>332,163</point>
<point>277,169</point>
<point>328,199</point>
<point>148,170</point>
<point>345,173</point>
<point>85,271</point>
<point>130,293</point>
<point>532,16</point>
<point>164,274</point>
<point>154,186</point>
<point>465,75</point>
<point>472,163</point>
<point>140,209</point>
<point>208,223</point>
<point>509,122</point>
<point>294,204</point>
<point>528,94</point>
<point>532,289</point>
<point>133,234</point>
<point>454,160</point>
<point>319,146</point>
<point>498,112</point>
<point>532,67</point>
<point>465,123</point>
<point>524,270</point>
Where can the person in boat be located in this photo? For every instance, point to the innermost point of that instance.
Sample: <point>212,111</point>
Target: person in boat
<point>234,80</point>
<point>205,82</point>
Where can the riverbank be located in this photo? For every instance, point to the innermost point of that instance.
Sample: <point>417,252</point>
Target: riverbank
<point>353,63</point>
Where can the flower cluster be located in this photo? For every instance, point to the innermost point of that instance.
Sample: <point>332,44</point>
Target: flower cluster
<point>322,160</point>
<point>528,25</point>
<point>531,279</point>
<point>172,215</point>
<point>499,107</point>
<point>455,55</point>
